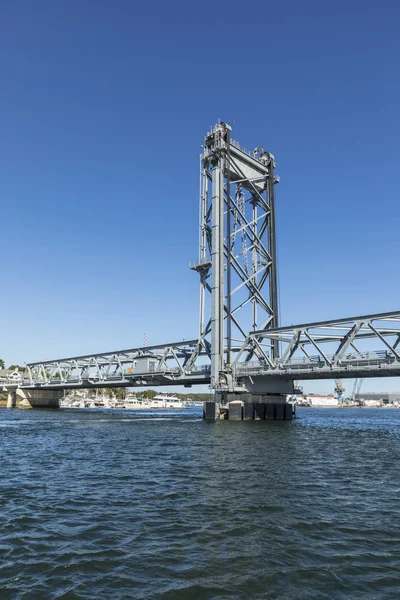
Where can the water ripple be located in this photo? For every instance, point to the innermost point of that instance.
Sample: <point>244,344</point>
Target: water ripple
<point>128,506</point>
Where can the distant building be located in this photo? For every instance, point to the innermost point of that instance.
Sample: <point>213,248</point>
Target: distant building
<point>9,374</point>
<point>379,397</point>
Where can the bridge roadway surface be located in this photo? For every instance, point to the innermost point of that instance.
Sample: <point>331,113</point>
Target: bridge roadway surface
<point>185,363</point>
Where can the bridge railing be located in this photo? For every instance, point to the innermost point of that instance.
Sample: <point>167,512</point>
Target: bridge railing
<point>316,363</point>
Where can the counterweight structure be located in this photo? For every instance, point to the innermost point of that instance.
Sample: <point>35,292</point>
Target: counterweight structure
<point>237,256</point>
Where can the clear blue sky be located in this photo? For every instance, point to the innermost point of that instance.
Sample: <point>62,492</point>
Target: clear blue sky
<point>103,107</point>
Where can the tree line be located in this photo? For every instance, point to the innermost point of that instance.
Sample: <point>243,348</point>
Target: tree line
<point>11,367</point>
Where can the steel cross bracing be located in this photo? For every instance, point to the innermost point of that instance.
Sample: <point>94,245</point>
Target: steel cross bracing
<point>237,258</point>
<point>329,349</point>
<point>322,350</point>
<point>156,365</point>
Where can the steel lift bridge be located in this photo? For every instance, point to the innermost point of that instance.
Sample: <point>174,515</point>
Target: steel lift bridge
<point>240,350</point>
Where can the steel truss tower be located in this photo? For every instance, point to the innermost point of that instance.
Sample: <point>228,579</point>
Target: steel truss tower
<point>237,259</point>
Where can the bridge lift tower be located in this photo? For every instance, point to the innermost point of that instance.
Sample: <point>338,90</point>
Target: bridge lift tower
<point>249,360</point>
<point>238,265</point>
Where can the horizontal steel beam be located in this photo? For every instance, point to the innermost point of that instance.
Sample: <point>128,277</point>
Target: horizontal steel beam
<point>323,324</point>
<point>142,349</point>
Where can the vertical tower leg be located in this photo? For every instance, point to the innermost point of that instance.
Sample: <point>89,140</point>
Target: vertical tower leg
<point>217,283</point>
<point>273,278</point>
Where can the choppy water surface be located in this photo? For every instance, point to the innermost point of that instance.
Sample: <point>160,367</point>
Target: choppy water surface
<point>125,505</point>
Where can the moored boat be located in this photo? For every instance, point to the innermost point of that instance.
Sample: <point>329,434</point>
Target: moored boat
<point>167,401</point>
<point>134,403</point>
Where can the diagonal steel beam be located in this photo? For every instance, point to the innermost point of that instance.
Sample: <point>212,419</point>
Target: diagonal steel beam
<point>381,337</point>
<point>314,343</point>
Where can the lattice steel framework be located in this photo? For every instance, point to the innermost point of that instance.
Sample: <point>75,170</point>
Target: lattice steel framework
<point>237,259</point>
<point>363,346</point>
<point>165,364</point>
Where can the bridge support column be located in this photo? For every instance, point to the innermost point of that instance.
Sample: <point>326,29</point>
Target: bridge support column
<point>41,398</point>
<point>12,399</point>
<point>249,407</point>
<point>265,399</point>
<point>210,411</point>
<point>264,409</point>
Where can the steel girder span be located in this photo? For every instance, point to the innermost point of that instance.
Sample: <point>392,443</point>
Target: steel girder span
<point>167,364</point>
<point>364,346</point>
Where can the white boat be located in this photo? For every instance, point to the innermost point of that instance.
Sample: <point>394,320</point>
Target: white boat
<point>134,403</point>
<point>102,401</point>
<point>86,401</point>
<point>131,402</point>
<point>167,401</point>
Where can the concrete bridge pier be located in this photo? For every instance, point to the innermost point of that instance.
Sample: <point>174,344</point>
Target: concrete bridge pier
<point>40,398</point>
<point>12,399</point>
<point>265,399</point>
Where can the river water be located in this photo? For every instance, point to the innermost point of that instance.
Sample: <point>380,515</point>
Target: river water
<point>132,505</point>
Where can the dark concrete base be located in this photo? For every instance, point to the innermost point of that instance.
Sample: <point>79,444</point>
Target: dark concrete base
<point>273,412</point>
<point>209,411</point>
<point>259,411</point>
<point>235,411</point>
<point>270,411</point>
<point>250,411</point>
